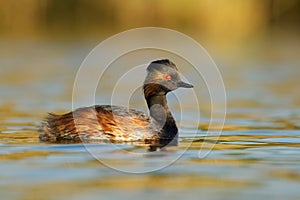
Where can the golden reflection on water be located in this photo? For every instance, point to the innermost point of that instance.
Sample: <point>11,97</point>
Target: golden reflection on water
<point>25,155</point>
<point>19,138</point>
<point>128,184</point>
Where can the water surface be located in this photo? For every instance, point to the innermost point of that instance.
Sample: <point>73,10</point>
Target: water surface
<point>256,156</point>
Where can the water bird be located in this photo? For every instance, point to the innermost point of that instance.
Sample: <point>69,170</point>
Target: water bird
<point>120,124</point>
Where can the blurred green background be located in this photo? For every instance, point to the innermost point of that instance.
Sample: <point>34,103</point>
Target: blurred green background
<point>255,43</point>
<point>220,20</point>
<point>40,35</point>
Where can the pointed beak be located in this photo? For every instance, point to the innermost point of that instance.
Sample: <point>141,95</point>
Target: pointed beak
<point>184,85</point>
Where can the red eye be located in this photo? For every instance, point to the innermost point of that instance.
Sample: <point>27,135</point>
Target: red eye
<point>167,77</point>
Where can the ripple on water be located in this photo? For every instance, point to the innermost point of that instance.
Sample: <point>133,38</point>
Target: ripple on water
<point>245,157</point>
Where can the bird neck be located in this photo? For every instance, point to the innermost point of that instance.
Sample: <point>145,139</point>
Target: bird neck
<point>158,107</point>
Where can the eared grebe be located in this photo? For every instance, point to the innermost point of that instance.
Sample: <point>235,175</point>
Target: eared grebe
<point>120,124</point>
